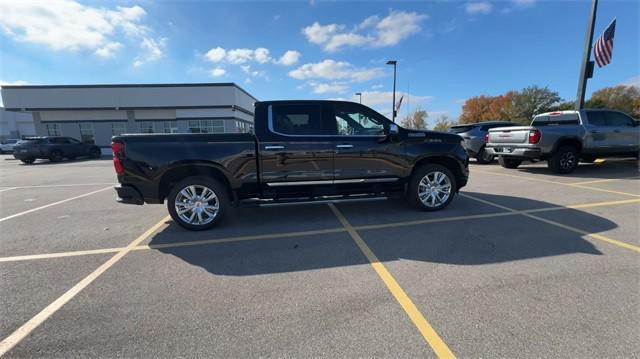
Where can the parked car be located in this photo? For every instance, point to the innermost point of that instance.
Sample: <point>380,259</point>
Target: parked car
<point>474,136</point>
<point>302,151</point>
<point>7,145</point>
<point>564,138</point>
<point>53,148</point>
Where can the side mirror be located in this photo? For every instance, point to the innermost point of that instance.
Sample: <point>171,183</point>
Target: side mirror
<point>393,129</point>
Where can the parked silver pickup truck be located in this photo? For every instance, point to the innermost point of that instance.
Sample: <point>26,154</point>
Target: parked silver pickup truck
<point>564,138</point>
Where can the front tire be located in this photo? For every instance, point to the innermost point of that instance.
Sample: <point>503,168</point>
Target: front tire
<point>28,161</point>
<point>509,162</point>
<point>432,187</point>
<point>564,160</point>
<point>483,157</point>
<point>55,156</point>
<point>198,203</point>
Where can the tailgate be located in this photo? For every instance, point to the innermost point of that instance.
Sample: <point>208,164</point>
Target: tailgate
<point>509,135</point>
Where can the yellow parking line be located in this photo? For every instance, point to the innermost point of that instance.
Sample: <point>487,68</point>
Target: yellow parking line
<point>316,232</point>
<point>603,180</point>
<point>557,224</point>
<point>20,333</point>
<point>52,204</point>
<point>430,335</point>
<point>560,183</point>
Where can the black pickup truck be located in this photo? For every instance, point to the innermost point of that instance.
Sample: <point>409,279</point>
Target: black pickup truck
<point>302,151</point>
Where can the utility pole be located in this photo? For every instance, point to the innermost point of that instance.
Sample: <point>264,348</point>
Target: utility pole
<point>393,105</point>
<point>360,95</point>
<point>587,65</point>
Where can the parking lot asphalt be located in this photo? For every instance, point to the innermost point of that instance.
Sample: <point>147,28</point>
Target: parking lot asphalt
<point>523,263</point>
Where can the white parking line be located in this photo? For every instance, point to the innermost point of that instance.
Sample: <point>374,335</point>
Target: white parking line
<point>7,189</point>
<point>61,185</point>
<point>53,204</point>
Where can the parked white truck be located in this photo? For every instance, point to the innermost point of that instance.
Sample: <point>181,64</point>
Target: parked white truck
<point>564,138</point>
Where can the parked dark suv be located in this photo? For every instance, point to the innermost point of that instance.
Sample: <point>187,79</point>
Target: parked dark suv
<point>53,148</point>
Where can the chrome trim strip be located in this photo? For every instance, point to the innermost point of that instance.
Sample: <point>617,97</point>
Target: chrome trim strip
<point>368,199</point>
<point>268,147</point>
<point>344,181</point>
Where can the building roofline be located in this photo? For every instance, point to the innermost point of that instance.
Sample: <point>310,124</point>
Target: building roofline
<point>197,84</point>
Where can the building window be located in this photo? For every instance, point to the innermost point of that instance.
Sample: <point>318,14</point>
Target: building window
<point>206,126</point>
<point>146,127</point>
<point>170,127</point>
<point>118,128</point>
<point>243,127</point>
<point>53,129</point>
<point>86,132</point>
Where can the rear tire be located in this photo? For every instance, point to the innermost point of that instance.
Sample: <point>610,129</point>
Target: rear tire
<point>509,162</point>
<point>432,187</point>
<point>28,161</point>
<point>564,160</point>
<point>95,153</point>
<point>483,157</point>
<point>55,156</point>
<point>198,203</point>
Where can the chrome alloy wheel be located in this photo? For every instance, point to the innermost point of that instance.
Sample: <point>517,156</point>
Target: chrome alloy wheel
<point>197,205</point>
<point>434,189</point>
<point>567,160</point>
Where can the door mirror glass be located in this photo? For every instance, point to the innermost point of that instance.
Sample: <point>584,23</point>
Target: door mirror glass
<point>393,129</point>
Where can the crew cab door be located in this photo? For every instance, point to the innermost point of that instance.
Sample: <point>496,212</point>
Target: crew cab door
<point>295,150</point>
<point>598,136</point>
<point>363,152</point>
<point>624,134</point>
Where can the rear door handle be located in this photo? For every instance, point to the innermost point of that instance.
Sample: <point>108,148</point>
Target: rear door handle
<point>274,147</point>
<point>344,146</point>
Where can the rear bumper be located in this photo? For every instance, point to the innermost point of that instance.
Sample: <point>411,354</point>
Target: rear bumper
<point>519,152</point>
<point>128,195</point>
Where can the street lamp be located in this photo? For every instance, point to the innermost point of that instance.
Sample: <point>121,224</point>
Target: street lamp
<point>393,105</point>
<point>359,94</point>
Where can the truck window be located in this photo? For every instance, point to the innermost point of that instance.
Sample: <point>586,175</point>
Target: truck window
<point>460,129</point>
<point>297,120</point>
<point>596,118</point>
<point>353,121</point>
<point>617,119</point>
<point>559,119</point>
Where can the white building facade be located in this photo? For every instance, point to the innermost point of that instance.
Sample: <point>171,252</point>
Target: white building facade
<point>94,113</point>
<point>15,125</point>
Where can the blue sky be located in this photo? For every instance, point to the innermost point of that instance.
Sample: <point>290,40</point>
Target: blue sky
<point>447,51</point>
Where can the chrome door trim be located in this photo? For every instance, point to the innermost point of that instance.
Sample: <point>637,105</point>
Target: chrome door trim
<point>273,147</point>
<point>324,182</point>
<point>344,146</point>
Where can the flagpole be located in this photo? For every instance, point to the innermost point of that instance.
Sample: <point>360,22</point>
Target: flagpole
<point>586,72</point>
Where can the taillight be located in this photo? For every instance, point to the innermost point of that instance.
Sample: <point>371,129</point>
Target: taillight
<point>486,138</point>
<point>118,152</point>
<point>534,136</point>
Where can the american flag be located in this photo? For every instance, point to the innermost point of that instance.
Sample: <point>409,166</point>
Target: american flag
<point>399,103</point>
<point>603,49</point>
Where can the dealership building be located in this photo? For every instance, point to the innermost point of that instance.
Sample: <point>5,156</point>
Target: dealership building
<point>94,113</point>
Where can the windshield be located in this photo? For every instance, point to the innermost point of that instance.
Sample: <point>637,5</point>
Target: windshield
<point>460,129</point>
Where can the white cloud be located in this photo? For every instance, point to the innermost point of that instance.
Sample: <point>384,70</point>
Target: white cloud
<point>108,50</point>
<point>13,83</point>
<point>634,81</point>
<point>335,70</point>
<point>261,55</point>
<point>69,25</point>
<point>217,72</point>
<point>377,87</point>
<point>289,58</point>
<point>323,88</point>
<point>216,54</point>
<point>372,31</point>
<point>239,56</point>
<point>376,98</point>
<point>152,50</point>
<point>482,7</point>
<point>518,4</point>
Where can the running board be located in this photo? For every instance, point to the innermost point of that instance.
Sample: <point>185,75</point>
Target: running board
<point>314,200</point>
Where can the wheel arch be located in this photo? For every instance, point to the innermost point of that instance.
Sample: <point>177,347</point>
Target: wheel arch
<point>568,141</point>
<point>446,161</point>
<point>184,170</point>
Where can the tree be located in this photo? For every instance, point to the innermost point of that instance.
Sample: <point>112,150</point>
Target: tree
<point>532,101</point>
<point>621,98</point>
<point>487,108</point>
<point>416,120</point>
<point>563,106</point>
<point>443,123</point>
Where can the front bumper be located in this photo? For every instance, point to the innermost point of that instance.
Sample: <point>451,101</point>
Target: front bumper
<point>519,152</point>
<point>128,194</point>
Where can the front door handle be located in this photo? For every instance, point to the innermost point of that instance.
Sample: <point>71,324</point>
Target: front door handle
<point>274,147</point>
<point>344,146</point>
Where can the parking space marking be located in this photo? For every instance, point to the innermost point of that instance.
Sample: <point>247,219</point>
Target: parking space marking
<point>603,180</point>
<point>62,185</point>
<point>576,185</point>
<point>53,204</point>
<point>557,224</point>
<point>430,335</point>
<point>7,189</point>
<point>20,333</point>
<point>314,232</point>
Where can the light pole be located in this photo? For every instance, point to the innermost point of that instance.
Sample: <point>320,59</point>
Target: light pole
<point>393,105</point>
<point>360,95</point>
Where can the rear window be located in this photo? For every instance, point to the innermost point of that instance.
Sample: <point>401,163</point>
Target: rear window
<point>560,119</point>
<point>460,129</point>
<point>495,125</point>
<point>297,120</point>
